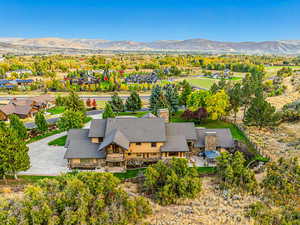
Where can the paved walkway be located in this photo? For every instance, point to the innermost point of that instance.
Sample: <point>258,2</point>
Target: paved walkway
<point>48,160</point>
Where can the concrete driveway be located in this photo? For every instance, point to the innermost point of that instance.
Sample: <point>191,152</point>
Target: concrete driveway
<point>49,160</point>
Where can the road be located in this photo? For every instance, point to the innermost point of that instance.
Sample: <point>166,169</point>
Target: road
<point>102,98</point>
<point>92,113</point>
<point>31,125</point>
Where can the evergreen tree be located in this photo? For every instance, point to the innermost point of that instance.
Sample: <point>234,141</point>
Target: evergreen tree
<point>108,112</point>
<point>74,103</point>
<point>13,152</point>
<point>71,120</point>
<point>234,174</point>
<point>171,95</point>
<point>40,122</point>
<point>18,126</point>
<point>116,103</point>
<point>157,100</point>
<point>235,98</point>
<point>187,90</point>
<point>133,102</point>
<point>260,113</point>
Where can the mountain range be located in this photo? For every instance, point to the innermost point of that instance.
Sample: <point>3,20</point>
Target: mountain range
<point>63,45</point>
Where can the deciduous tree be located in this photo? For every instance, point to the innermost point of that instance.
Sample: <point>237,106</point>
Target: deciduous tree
<point>18,126</point>
<point>40,122</point>
<point>71,120</point>
<point>13,152</point>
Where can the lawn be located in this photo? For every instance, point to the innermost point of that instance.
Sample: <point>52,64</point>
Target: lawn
<point>61,141</point>
<point>206,83</point>
<point>42,136</point>
<point>213,124</point>
<point>56,110</point>
<point>202,82</point>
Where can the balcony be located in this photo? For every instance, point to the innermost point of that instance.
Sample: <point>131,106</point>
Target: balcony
<point>115,157</point>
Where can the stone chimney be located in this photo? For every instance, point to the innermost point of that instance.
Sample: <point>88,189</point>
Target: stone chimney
<point>210,141</point>
<point>164,114</point>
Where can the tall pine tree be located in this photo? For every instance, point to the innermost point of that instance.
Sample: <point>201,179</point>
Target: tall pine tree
<point>108,112</point>
<point>260,113</point>
<point>171,95</point>
<point>133,102</point>
<point>116,103</point>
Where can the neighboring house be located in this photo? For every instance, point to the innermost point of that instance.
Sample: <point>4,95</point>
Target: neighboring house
<point>118,143</point>
<point>25,107</point>
<point>14,83</point>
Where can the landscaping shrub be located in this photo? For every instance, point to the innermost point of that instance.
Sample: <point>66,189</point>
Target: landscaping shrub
<point>172,180</point>
<point>83,198</point>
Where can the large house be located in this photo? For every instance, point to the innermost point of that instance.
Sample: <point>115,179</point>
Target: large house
<point>25,107</point>
<point>118,143</point>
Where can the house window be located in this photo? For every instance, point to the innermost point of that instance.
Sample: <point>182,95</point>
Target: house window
<point>138,155</point>
<point>138,143</point>
<point>173,153</point>
<point>115,149</point>
<point>116,164</point>
<point>153,144</point>
<point>128,153</point>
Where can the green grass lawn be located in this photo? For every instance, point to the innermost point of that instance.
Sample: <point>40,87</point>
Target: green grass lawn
<point>59,141</point>
<point>213,124</point>
<point>56,110</point>
<point>202,82</point>
<point>42,136</point>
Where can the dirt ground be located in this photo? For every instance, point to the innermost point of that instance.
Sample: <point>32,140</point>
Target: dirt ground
<point>211,207</point>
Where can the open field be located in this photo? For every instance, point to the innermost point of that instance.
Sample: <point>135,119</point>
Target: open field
<point>202,82</point>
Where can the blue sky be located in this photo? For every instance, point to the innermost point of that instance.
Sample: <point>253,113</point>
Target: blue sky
<point>149,20</point>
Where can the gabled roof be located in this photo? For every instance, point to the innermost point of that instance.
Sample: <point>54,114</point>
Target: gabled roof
<point>79,146</point>
<point>15,109</point>
<point>97,128</point>
<point>138,130</point>
<point>178,129</point>
<point>115,137</point>
<point>224,137</point>
<point>175,144</point>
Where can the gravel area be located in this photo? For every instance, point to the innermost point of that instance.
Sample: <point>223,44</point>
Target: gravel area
<point>48,160</point>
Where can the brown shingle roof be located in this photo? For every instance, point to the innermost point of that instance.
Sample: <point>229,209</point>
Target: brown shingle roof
<point>224,137</point>
<point>15,109</point>
<point>178,129</point>
<point>175,144</point>
<point>138,130</point>
<point>97,128</point>
<point>79,146</point>
<point>115,137</point>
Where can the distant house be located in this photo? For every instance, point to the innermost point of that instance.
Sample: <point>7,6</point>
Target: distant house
<point>25,107</point>
<point>118,143</point>
<point>4,83</point>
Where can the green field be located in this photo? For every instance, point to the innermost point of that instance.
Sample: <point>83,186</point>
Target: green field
<point>202,82</point>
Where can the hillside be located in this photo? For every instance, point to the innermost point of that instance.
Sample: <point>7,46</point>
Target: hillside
<point>193,45</point>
